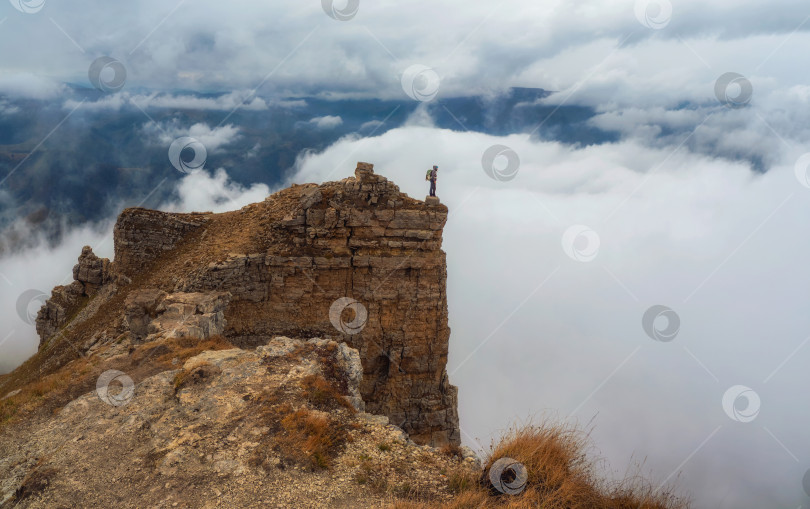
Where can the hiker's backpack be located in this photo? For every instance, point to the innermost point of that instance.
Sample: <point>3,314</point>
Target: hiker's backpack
<point>427,175</point>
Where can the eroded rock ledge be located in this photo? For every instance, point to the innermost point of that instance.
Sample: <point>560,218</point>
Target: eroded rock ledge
<point>278,268</point>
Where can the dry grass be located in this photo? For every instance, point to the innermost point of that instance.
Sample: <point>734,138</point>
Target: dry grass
<point>308,421</point>
<point>560,476</point>
<point>370,474</point>
<point>51,392</point>
<point>323,395</point>
<point>312,437</point>
<point>195,375</point>
<point>184,348</point>
<point>452,450</point>
<point>461,480</point>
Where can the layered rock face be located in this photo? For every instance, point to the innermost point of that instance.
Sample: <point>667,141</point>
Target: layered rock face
<point>89,275</point>
<point>355,260</point>
<point>152,312</point>
<point>142,237</point>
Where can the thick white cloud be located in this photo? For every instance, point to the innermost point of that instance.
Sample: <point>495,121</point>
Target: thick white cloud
<point>212,138</point>
<point>29,85</point>
<point>201,191</point>
<point>420,117</point>
<point>326,122</point>
<point>231,101</point>
<point>534,331</point>
<point>27,276</point>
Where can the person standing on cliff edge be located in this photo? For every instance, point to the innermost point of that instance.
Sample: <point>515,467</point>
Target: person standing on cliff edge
<point>432,175</point>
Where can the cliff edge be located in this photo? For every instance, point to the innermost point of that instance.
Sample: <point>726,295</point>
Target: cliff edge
<point>354,260</point>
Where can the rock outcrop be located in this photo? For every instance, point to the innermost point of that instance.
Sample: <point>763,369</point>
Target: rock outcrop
<point>151,312</point>
<point>91,272</point>
<point>222,428</point>
<point>355,260</point>
<point>141,238</point>
<point>89,276</point>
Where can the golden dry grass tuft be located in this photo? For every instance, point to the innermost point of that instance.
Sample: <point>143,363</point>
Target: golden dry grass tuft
<point>452,450</point>
<point>560,476</point>
<point>323,394</point>
<point>302,435</point>
<point>370,474</point>
<point>313,434</point>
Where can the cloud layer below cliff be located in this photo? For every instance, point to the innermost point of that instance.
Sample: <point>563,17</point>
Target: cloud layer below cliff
<point>547,319</point>
<point>671,215</point>
<point>536,331</point>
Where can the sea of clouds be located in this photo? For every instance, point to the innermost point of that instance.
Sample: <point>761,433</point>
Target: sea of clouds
<point>556,253</point>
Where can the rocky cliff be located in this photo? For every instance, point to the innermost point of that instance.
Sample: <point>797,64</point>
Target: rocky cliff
<point>288,354</point>
<point>355,260</point>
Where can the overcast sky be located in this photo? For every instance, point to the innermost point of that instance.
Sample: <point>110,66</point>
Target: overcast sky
<point>552,263</point>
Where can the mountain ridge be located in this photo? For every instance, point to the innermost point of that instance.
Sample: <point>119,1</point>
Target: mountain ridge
<point>279,268</point>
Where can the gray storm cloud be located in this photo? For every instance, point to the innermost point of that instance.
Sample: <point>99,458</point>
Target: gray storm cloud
<point>484,46</point>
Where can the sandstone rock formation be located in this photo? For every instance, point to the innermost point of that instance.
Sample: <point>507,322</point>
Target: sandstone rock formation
<point>153,312</point>
<point>91,271</point>
<point>89,275</point>
<point>142,238</point>
<point>354,260</point>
